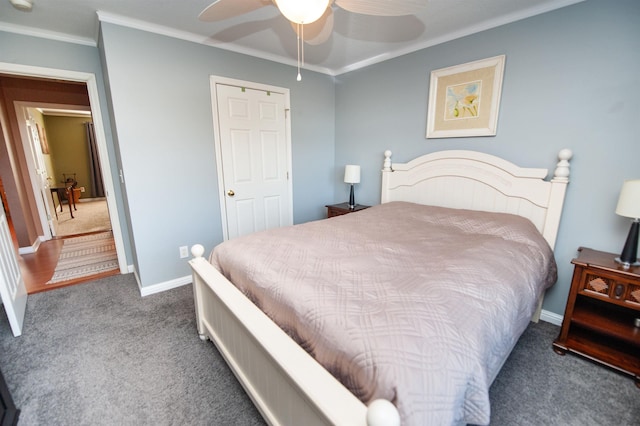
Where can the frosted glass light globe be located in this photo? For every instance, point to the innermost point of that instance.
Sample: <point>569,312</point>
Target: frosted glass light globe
<point>302,11</point>
<point>24,5</point>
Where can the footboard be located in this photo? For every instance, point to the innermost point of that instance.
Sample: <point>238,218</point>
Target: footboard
<point>284,382</point>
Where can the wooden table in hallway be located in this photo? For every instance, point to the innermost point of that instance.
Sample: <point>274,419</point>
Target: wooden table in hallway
<point>63,192</point>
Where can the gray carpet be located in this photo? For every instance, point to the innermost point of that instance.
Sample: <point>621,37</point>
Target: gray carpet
<point>99,354</point>
<point>538,387</point>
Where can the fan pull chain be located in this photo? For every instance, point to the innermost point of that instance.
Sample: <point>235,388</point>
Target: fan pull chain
<point>300,45</point>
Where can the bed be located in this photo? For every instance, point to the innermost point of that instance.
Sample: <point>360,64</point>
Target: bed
<point>287,384</point>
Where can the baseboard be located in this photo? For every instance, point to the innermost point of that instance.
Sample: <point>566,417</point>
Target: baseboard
<point>88,200</point>
<point>32,249</point>
<point>551,317</point>
<point>160,287</point>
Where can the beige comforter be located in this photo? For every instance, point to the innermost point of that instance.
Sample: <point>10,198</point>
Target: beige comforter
<point>415,304</point>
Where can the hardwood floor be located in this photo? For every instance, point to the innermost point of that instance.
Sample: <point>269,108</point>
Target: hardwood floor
<point>37,268</point>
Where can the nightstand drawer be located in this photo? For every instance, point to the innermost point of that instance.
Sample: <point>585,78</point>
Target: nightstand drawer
<point>606,286</point>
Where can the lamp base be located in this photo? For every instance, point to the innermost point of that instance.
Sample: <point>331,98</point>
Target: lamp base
<point>626,265</point>
<point>352,202</point>
<point>629,255</point>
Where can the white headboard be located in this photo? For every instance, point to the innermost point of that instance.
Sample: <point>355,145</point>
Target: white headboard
<point>477,181</point>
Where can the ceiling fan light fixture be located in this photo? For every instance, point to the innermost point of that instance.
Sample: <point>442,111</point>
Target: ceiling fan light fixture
<point>24,5</point>
<point>302,11</point>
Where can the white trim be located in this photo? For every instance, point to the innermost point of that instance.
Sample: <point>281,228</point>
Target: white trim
<point>31,249</point>
<point>164,286</point>
<point>124,21</point>
<point>49,35</point>
<point>214,80</point>
<point>94,100</point>
<point>197,38</point>
<point>551,317</point>
<point>467,31</point>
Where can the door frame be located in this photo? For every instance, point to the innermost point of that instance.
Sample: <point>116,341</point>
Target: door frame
<point>43,212</point>
<point>215,80</point>
<point>101,140</point>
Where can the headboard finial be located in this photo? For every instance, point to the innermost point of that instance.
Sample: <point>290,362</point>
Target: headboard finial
<point>562,168</point>
<point>386,167</point>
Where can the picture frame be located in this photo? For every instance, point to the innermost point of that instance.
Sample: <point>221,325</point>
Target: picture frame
<point>44,145</point>
<point>464,100</point>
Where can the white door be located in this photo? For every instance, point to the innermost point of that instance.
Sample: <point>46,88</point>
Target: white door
<point>12,288</point>
<point>37,169</point>
<point>41,180</point>
<point>254,158</point>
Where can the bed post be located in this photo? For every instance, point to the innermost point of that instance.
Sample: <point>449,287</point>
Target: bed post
<point>559,184</point>
<point>386,170</point>
<point>381,412</point>
<point>198,251</point>
<point>556,197</point>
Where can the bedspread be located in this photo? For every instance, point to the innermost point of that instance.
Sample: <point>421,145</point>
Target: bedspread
<point>419,305</point>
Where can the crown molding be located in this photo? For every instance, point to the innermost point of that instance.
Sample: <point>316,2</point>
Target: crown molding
<point>50,35</point>
<point>195,38</point>
<point>482,26</point>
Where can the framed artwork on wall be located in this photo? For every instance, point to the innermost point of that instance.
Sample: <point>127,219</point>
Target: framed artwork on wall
<point>464,100</point>
<point>44,145</point>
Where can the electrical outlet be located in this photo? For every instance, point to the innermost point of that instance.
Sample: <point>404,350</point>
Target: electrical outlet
<point>184,252</point>
<point>82,189</point>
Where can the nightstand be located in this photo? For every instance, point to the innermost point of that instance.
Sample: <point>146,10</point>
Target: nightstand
<point>602,317</point>
<point>343,208</point>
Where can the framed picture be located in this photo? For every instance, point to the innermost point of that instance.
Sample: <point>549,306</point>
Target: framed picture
<point>44,145</point>
<point>464,99</point>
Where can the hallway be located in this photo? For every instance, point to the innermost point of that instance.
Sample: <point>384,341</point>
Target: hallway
<point>37,268</point>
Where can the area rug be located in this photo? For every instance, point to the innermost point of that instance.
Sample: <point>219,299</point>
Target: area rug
<point>89,216</point>
<point>85,256</point>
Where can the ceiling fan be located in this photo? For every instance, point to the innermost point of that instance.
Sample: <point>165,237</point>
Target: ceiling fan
<point>312,20</point>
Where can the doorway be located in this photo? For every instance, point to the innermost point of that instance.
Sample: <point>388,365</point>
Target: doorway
<point>59,145</point>
<point>88,81</point>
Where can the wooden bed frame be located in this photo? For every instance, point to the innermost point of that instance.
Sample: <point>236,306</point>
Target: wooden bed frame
<point>285,383</point>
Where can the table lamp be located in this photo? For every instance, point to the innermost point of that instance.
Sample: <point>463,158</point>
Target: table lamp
<point>629,206</point>
<point>351,176</point>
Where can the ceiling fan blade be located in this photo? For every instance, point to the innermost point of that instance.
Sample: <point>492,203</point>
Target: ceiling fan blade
<point>319,31</point>
<point>383,7</point>
<point>220,10</point>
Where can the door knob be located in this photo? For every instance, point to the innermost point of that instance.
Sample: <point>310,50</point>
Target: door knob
<point>230,193</point>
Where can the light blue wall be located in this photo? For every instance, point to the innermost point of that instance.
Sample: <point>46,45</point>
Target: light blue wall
<point>571,80</point>
<point>39,52</point>
<point>161,102</point>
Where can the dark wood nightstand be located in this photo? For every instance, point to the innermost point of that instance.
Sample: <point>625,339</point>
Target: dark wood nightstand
<point>602,317</point>
<point>343,208</point>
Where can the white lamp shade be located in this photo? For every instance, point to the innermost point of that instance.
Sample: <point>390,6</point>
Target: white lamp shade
<point>629,201</point>
<point>302,12</point>
<point>352,174</point>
